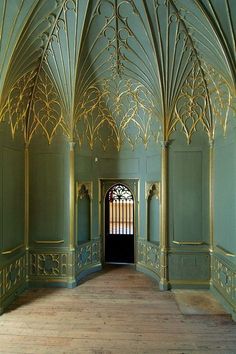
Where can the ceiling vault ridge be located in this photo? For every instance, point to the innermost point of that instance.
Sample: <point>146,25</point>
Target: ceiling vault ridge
<point>117,72</point>
<point>220,37</point>
<point>28,133</point>
<point>210,127</point>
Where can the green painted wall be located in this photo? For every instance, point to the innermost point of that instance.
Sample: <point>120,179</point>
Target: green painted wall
<point>83,229</point>
<point>49,192</point>
<point>224,191</point>
<point>12,264</point>
<point>189,262</point>
<point>153,219</point>
<point>51,261</point>
<point>141,164</point>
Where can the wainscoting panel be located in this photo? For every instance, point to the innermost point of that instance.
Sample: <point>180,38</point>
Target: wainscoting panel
<point>148,260</point>
<point>189,269</point>
<point>224,282</point>
<point>51,267</point>
<point>88,258</point>
<point>12,280</point>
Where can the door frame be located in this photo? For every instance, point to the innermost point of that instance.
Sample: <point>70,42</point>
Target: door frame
<point>134,186</point>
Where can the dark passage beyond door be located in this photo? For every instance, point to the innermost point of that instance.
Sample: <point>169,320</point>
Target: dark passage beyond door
<point>119,228</point>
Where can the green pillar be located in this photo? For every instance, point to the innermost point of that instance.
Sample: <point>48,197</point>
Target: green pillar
<point>163,285</point>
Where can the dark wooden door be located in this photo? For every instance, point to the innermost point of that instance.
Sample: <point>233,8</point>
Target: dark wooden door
<point>119,225</point>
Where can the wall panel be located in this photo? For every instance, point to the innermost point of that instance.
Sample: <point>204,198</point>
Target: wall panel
<point>187,196</point>
<point>188,258</point>
<point>224,256</point>
<point>13,198</point>
<point>225,194</point>
<point>47,206</point>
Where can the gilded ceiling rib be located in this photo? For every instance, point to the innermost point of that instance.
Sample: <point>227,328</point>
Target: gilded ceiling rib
<point>205,117</point>
<point>31,127</point>
<point>10,35</point>
<point>24,53</point>
<point>216,66</point>
<point>86,77</point>
<point>220,96</point>
<point>220,35</point>
<point>230,21</point>
<point>61,59</point>
<point>119,71</point>
<point>155,50</point>
<point>11,31</point>
<point>102,106</point>
<point>174,57</point>
<point>15,109</point>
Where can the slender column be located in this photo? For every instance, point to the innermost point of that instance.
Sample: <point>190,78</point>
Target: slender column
<point>164,219</point>
<point>211,201</point>
<point>26,241</point>
<point>72,196</point>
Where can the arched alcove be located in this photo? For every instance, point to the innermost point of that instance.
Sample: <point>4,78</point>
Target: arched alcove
<point>153,212</point>
<point>83,212</point>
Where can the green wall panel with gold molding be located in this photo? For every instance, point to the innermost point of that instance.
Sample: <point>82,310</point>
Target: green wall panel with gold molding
<point>13,266</point>
<point>224,248</point>
<point>188,255</point>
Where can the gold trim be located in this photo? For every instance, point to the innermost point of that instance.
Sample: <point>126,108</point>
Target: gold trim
<point>188,282</point>
<point>72,196</point>
<point>211,195</point>
<point>189,242</point>
<point>46,279</point>
<point>100,208</point>
<point>164,215</point>
<point>12,250</point>
<point>186,250</point>
<point>139,218</point>
<point>26,196</point>
<point>49,242</point>
<point>224,251</point>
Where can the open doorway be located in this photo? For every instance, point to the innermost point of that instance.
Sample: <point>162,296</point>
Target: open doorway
<point>119,225</point>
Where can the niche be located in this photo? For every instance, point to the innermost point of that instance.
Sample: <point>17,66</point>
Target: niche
<point>153,211</point>
<point>83,212</point>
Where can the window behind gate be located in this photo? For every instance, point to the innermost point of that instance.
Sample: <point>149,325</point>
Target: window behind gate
<point>121,211</point>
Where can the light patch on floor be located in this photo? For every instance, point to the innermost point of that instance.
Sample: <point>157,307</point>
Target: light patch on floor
<point>197,302</point>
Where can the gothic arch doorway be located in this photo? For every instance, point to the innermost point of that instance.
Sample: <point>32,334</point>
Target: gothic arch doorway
<point>119,225</point>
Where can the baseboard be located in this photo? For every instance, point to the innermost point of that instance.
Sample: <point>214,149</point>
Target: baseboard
<point>148,272</point>
<point>223,301</point>
<point>52,283</point>
<point>85,272</point>
<point>5,303</point>
<point>188,284</point>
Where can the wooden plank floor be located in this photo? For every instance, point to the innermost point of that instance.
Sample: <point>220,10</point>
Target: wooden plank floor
<point>115,311</point>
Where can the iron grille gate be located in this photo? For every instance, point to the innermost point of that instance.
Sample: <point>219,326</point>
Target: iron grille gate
<point>119,243</point>
<point>121,211</point>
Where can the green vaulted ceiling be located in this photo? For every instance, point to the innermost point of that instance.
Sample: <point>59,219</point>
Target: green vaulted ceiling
<point>117,71</point>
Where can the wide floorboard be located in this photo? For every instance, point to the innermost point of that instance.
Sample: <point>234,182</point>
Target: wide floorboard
<point>115,311</point>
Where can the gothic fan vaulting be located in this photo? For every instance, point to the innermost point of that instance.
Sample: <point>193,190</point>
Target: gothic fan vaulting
<point>114,71</point>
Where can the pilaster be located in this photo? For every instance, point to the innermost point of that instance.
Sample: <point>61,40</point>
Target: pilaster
<point>72,196</point>
<point>211,202</point>
<point>164,219</point>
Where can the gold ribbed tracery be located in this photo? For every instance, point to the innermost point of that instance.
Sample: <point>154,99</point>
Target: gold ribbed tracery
<point>119,72</point>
